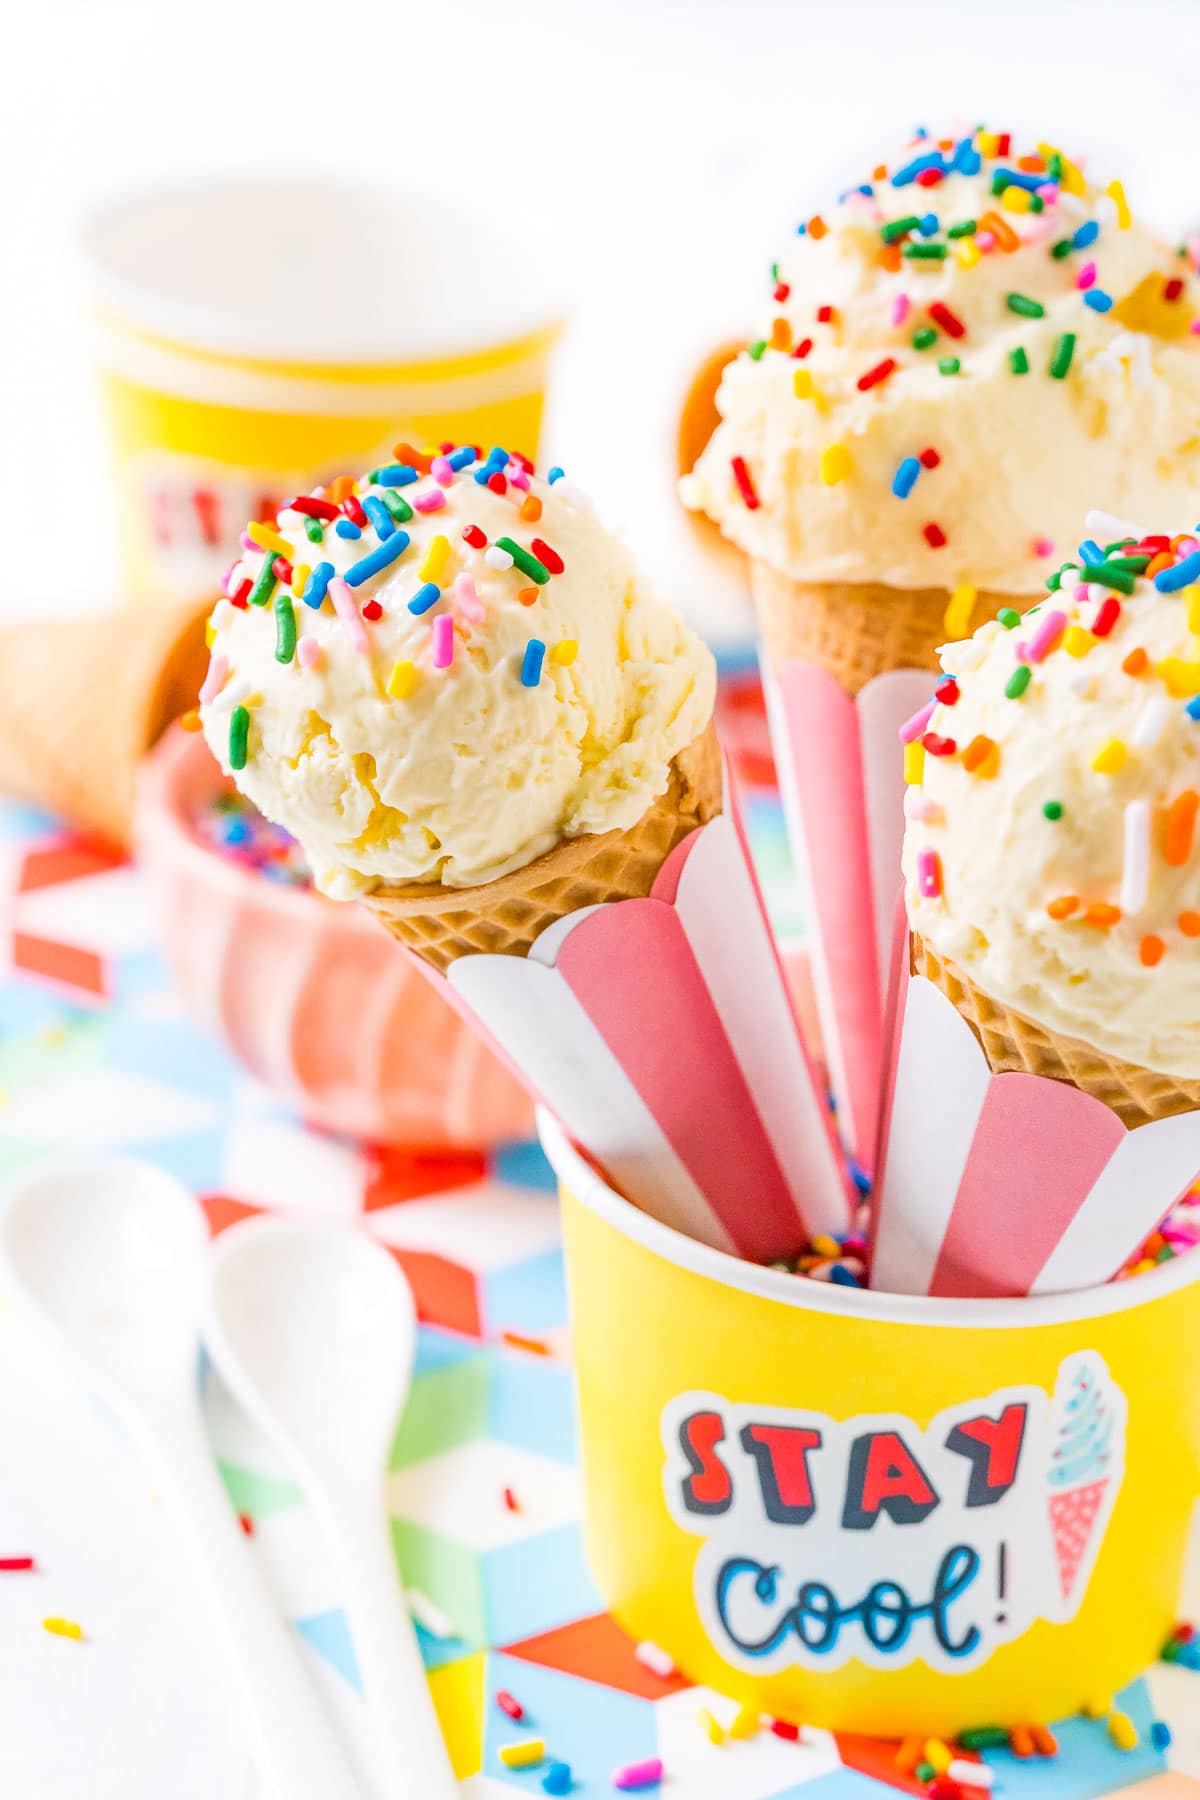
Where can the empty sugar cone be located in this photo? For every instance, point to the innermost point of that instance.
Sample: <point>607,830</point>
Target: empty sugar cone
<point>1010,1041</point>
<point>505,916</point>
<point>83,699</point>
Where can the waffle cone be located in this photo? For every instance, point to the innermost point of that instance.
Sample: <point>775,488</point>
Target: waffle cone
<point>857,630</point>
<point>505,916</point>
<point>1011,1041</point>
<point>83,699</point>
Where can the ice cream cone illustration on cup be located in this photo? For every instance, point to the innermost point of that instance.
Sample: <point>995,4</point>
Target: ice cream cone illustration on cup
<point>960,355</point>
<point>1087,1423</point>
<point>449,681</point>
<point>1045,1098</point>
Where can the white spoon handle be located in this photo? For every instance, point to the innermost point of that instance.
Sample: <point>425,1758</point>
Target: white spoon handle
<point>411,1756</point>
<point>295,1748</point>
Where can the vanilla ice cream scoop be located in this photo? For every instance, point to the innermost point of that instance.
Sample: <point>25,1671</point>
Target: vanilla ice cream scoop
<point>439,672</point>
<point>960,357</point>
<point>1051,850</point>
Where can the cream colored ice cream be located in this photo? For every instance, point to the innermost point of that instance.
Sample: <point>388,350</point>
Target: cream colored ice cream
<point>1051,849</point>
<point>960,358</point>
<point>443,676</point>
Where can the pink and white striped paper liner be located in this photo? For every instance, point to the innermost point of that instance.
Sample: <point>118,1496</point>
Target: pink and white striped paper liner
<point>1012,1184</point>
<point>842,780</point>
<point>661,1033</point>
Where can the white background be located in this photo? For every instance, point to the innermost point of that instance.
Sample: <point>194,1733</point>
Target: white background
<point>653,155</point>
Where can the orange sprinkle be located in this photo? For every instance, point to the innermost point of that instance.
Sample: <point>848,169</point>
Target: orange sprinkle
<point>191,721</point>
<point>1031,165</point>
<point>527,596</point>
<point>1189,924</point>
<point>982,757</point>
<point>1102,915</point>
<point>1151,950</point>
<point>1064,906</point>
<point>1020,1741</point>
<point>1161,561</point>
<point>420,460</point>
<point>1001,230</point>
<point>531,508</point>
<point>1044,1740</point>
<point>1181,823</point>
<point>889,257</point>
<point>534,1345</point>
<point>880,174</point>
<point>781,335</point>
<point>1137,662</point>
<point>910,1753</point>
<point>817,226</point>
<point>339,487</point>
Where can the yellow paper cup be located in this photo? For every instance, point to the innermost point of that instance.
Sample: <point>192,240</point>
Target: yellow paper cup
<point>256,337</point>
<point>877,1513</point>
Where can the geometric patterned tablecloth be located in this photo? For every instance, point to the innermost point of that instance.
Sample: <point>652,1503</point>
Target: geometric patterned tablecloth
<point>96,1054</point>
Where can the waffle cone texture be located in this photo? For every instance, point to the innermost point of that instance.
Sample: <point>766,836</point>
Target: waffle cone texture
<point>1010,1041</point>
<point>83,699</point>
<point>857,630</point>
<point>505,916</point>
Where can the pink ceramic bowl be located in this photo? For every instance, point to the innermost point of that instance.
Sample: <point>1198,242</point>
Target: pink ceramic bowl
<point>312,995</point>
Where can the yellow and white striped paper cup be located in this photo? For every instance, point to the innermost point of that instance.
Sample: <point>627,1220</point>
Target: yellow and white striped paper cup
<point>254,338</point>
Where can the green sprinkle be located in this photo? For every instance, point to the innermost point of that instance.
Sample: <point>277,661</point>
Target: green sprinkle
<point>525,561</point>
<point>1064,350</point>
<point>314,531</point>
<point>756,350</point>
<point>397,505</point>
<point>1108,576</point>
<point>922,339</point>
<point>1018,362</point>
<point>999,180</point>
<point>1061,248</point>
<point>898,227</point>
<point>264,587</point>
<point>1132,565</point>
<point>285,627</point>
<point>1052,810</point>
<point>1054,582</point>
<point>984,1737</point>
<point>922,252</point>
<point>1008,617</point>
<point>1054,167</point>
<point>925,1771</point>
<point>948,365</point>
<point>1036,203</point>
<point>968,228</point>
<point>1026,308</point>
<point>775,273</point>
<point>239,731</point>
<point>1018,681</point>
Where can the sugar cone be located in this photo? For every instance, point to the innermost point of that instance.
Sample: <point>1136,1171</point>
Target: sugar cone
<point>1011,1041</point>
<point>1073,1515</point>
<point>505,916</point>
<point>857,630</point>
<point>83,699</point>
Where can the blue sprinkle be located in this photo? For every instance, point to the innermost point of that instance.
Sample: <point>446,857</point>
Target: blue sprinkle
<point>1090,551</point>
<point>1018,178</point>
<point>905,478</point>
<point>346,528</point>
<point>557,1779</point>
<point>377,559</point>
<point>396,475</point>
<point>1189,1655</point>
<point>908,174</point>
<point>859,1176</point>
<point>928,225</point>
<point>483,474</point>
<point>1087,234</point>
<point>426,596</point>
<point>1192,709</point>
<point>841,1277</point>
<point>461,459</point>
<point>1097,299</point>
<point>802,231</point>
<point>237,831</point>
<point>379,515</point>
<point>531,667</point>
<point>967,160</point>
<point>315,586</point>
<point>1160,1735</point>
<point>497,456</point>
<point>1168,581</point>
<point>556,474</point>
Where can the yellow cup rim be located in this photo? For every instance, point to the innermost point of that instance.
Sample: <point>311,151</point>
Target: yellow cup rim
<point>591,1191</point>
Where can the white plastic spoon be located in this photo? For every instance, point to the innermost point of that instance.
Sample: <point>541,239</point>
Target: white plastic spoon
<point>112,1257</point>
<point>313,1328</point>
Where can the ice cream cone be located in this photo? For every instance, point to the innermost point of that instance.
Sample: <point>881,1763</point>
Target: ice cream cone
<point>505,916</point>
<point>1073,1515</point>
<point>1010,1041</point>
<point>857,630</point>
<point>83,699</point>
